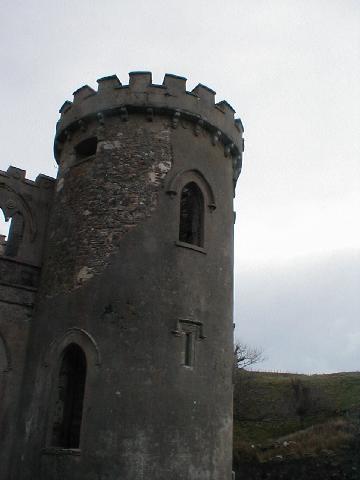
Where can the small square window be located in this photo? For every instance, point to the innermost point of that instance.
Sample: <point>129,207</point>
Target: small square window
<point>86,148</point>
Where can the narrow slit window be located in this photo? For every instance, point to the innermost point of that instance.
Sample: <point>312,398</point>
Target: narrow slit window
<point>69,399</point>
<point>191,229</point>
<point>3,361</point>
<point>86,148</point>
<point>188,349</point>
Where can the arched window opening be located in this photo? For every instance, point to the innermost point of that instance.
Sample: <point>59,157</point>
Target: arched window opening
<point>4,232</point>
<point>192,215</point>
<point>16,232</point>
<point>11,234</point>
<point>70,398</point>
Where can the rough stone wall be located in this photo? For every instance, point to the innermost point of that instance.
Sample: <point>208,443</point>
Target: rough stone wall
<point>15,314</point>
<point>19,278</point>
<point>104,197</point>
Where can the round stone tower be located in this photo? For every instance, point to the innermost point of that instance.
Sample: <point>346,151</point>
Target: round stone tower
<point>130,356</point>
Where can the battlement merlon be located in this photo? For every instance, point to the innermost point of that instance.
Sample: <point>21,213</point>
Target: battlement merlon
<point>15,174</point>
<point>140,94</point>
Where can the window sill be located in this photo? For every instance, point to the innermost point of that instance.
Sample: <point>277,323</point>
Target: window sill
<point>188,367</point>
<point>190,246</point>
<point>61,451</point>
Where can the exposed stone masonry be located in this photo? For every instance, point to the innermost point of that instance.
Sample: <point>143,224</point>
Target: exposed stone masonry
<point>104,198</point>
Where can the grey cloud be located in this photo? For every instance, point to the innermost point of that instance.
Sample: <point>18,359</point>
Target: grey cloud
<point>304,314</point>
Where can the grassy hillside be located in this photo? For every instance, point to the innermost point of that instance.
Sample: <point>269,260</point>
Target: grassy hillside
<point>272,405</point>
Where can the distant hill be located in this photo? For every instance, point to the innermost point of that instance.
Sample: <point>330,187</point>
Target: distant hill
<point>281,419</point>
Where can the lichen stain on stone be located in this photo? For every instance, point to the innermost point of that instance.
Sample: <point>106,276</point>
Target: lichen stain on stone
<point>152,177</point>
<point>111,145</point>
<point>158,172</point>
<point>84,274</point>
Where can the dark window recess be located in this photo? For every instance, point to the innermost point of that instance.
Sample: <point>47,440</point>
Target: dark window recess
<point>69,399</point>
<point>86,148</point>
<point>188,349</point>
<point>191,228</point>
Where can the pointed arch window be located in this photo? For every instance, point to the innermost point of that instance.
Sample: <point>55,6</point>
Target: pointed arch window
<point>15,237</point>
<point>4,232</point>
<point>69,398</point>
<point>191,228</point>
<point>12,237</point>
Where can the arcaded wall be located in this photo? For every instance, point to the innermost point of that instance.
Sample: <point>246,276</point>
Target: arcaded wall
<point>27,204</point>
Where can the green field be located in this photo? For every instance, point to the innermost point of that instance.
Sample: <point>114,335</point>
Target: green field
<point>272,405</point>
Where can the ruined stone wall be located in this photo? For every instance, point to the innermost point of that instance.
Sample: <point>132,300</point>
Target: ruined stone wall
<point>27,201</point>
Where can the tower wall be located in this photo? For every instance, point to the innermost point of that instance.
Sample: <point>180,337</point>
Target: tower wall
<point>118,282</point>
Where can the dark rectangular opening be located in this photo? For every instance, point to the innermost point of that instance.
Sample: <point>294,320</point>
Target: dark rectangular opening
<point>86,148</point>
<point>191,228</point>
<point>188,353</point>
<point>69,399</point>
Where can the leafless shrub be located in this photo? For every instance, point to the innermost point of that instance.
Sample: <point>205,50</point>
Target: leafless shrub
<point>246,356</point>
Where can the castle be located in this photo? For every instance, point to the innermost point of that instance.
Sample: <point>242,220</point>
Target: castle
<point>116,290</point>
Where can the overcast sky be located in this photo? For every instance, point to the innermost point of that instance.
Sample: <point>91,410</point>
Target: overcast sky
<point>291,69</point>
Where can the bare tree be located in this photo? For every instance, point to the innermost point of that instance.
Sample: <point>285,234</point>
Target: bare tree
<point>245,356</point>
<point>246,386</point>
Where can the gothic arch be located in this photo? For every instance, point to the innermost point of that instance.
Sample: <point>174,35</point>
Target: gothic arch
<point>181,178</point>
<point>13,203</point>
<point>79,337</point>
<point>73,338</point>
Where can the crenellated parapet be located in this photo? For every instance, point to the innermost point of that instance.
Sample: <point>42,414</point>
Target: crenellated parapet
<point>122,268</point>
<point>170,99</point>
<point>26,204</point>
